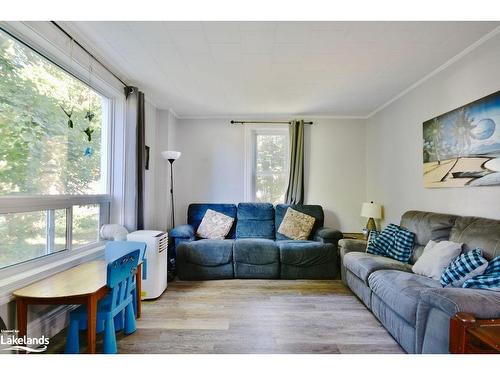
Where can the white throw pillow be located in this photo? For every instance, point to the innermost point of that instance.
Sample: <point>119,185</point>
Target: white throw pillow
<point>436,257</point>
<point>214,225</point>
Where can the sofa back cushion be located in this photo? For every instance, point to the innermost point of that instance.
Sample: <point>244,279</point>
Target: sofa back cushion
<point>311,210</point>
<point>196,211</point>
<point>255,220</point>
<point>427,226</point>
<point>477,232</point>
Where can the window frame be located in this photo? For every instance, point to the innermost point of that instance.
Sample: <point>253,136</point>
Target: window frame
<point>111,205</point>
<point>251,133</point>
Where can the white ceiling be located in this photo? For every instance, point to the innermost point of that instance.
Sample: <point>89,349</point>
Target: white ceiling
<point>209,69</point>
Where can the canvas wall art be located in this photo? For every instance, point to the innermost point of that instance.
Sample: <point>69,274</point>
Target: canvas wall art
<point>462,147</point>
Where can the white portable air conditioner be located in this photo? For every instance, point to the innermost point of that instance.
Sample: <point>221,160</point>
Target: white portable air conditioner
<point>154,281</point>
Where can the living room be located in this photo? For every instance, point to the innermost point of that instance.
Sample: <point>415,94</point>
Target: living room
<point>230,184</point>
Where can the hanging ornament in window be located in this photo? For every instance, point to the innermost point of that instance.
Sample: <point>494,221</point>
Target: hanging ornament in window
<point>89,132</point>
<point>69,114</point>
<point>89,151</point>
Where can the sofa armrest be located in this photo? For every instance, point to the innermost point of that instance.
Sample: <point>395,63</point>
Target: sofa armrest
<point>182,231</point>
<point>327,235</point>
<point>348,245</point>
<point>483,304</point>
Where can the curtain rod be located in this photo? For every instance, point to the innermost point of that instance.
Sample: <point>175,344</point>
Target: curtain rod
<point>91,55</point>
<point>267,122</point>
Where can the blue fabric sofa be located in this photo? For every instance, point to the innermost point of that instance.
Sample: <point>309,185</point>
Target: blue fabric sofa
<point>415,309</point>
<point>253,249</point>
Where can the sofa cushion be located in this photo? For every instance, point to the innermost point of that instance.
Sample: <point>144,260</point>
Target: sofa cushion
<point>255,251</point>
<point>296,225</point>
<point>464,267</point>
<point>215,225</point>
<point>196,211</point>
<point>478,232</point>
<point>400,291</point>
<point>427,226</point>
<point>207,252</point>
<point>363,264</point>
<point>311,210</point>
<point>489,280</point>
<point>255,220</point>
<point>305,253</point>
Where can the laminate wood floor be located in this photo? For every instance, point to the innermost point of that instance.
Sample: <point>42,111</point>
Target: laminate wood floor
<point>253,316</point>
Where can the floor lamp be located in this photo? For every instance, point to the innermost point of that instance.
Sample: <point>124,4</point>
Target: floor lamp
<point>171,156</point>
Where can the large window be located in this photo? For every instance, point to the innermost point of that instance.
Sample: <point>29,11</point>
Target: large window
<point>53,156</point>
<point>267,164</point>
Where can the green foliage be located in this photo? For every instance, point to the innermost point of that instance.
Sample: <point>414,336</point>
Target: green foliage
<point>48,119</point>
<point>271,178</point>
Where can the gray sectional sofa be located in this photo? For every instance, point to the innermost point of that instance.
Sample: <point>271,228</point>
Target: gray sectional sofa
<point>416,310</point>
<point>253,247</point>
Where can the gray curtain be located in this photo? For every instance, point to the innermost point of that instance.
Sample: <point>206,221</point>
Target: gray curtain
<point>135,159</point>
<point>141,159</point>
<point>295,191</point>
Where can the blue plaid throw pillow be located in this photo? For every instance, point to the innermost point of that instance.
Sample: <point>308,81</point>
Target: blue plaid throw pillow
<point>383,240</point>
<point>490,279</point>
<point>403,246</point>
<point>464,267</point>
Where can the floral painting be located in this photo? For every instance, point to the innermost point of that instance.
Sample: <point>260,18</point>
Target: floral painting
<point>462,147</point>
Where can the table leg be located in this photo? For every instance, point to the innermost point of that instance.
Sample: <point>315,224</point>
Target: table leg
<point>22,317</point>
<point>138,283</point>
<point>91,322</point>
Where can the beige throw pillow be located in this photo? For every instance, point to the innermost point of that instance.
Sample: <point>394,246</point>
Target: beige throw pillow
<point>214,225</point>
<point>296,225</point>
<point>435,258</point>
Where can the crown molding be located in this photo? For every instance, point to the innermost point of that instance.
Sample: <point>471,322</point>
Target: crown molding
<point>276,117</point>
<point>442,67</point>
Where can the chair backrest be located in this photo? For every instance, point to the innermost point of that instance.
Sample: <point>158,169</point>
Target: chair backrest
<point>120,277</point>
<point>196,211</point>
<point>116,249</point>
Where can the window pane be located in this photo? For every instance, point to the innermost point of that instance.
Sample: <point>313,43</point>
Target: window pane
<point>26,235</point>
<point>271,158</point>
<point>50,127</point>
<point>271,153</point>
<point>85,224</point>
<point>270,188</point>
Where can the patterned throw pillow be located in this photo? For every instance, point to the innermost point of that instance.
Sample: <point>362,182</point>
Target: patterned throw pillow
<point>214,225</point>
<point>464,267</point>
<point>403,245</point>
<point>296,225</point>
<point>383,241</point>
<point>490,279</point>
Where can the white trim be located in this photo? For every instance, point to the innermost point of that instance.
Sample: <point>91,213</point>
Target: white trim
<point>450,62</point>
<point>14,204</point>
<point>274,117</point>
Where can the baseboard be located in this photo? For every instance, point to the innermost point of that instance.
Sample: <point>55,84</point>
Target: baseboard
<point>50,324</point>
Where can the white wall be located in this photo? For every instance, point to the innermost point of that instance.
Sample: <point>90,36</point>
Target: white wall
<point>394,140</point>
<point>152,122</point>
<point>335,171</point>
<point>165,134</point>
<point>211,168</point>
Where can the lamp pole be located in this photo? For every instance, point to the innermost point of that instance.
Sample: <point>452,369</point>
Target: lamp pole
<point>171,161</point>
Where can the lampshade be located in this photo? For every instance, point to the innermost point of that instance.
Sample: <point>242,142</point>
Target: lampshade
<point>370,209</point>
<point>171,155</point>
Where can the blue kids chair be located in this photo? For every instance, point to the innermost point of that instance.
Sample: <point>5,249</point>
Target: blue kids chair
<point>120,276</point>
<point>115,249</point>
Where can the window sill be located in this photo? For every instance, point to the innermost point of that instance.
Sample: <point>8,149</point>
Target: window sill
<point>20,280</point>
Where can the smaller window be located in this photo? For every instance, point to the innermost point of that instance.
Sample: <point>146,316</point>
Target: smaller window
<point>267,164</point>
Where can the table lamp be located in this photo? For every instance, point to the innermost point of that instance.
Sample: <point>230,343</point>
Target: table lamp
<point>371,211</point>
